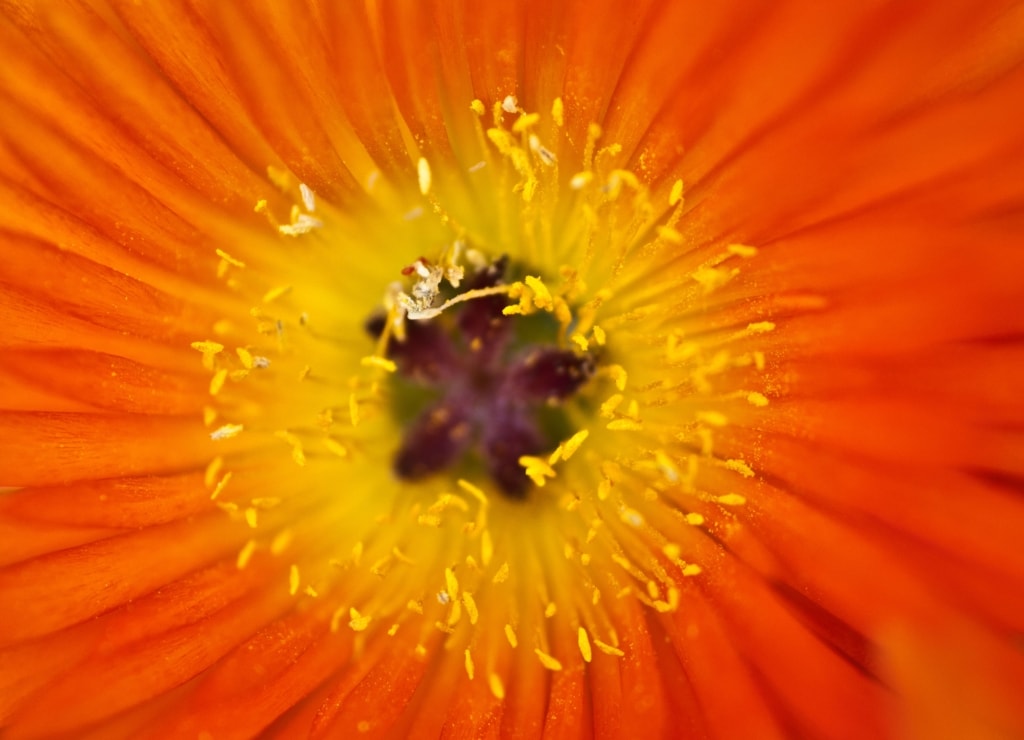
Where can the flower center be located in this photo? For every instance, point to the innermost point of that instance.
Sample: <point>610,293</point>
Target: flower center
<point>495,384</point>
<point>585,362</point>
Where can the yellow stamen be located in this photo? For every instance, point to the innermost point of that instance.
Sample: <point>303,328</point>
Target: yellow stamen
<point>547,661</point>
<point>423,174</point>
<point>357,622</point>
<point>584,643</point>
<point>245,554</point>
<point>217,382</point>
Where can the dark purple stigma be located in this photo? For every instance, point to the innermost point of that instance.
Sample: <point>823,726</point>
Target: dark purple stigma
<point>489,388</point>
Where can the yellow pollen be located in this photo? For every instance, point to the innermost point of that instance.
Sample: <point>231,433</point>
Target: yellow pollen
<point>610,404</point>
<point>455,614</point>
<point>627,425</point>
<point>667,466</point>
<point>537,469</point>
<point>497,688</point>
<point>274,293</point>
<point>740,467</point>
<point>335,447</point>
<point>570,446</point>
<point>336,618</point>
<point>209,350</point>
<point>266,502</point>
<point>293,579</point>
<point>423,174</point>
<point>381,363</point>
<point>229,259</point>
<point>713,418</point>
<point>693,519</point>
<point>451,583</point>
<point>358,622</point>
<point>631,517</point>
<point>245,357</point>
<point>558,112</point>
<point>470,604</point>
<point>547,661</point>
<point>415,606</point>
<point>541,295</point>
<point>731,499</point>
<point>676,194</point>
<point>477,106</point>
<point>757,399</point>
<point>281,178</point>
<point>584,643</point>
<point>617,374</point>
<point>510,635</point>
<point>502,575</point>
<point>525,122</point>
<point>353,409</point>
<point>213,470</point>
<point>670,235</point>
<point>217,381</point>
<point>420,651</point>
<point>712,278</point>
<point>742,250</point>
<point>761,327</point>
<point>245,554</point>
<point>469,665</point>
<point>221,485</point>
<point>401,556</point>
<point>252,517</point>
<point>227,431</point>
<point>580,180</point>
<point>692,570</point>
<point>608,649</point>
<point>298,456</point>
<point>475,492</point>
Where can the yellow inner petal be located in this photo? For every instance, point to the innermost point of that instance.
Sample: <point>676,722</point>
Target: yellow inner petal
<point>297,384</point>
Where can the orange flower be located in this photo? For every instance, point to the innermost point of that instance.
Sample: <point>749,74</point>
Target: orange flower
<point>507,369</point>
